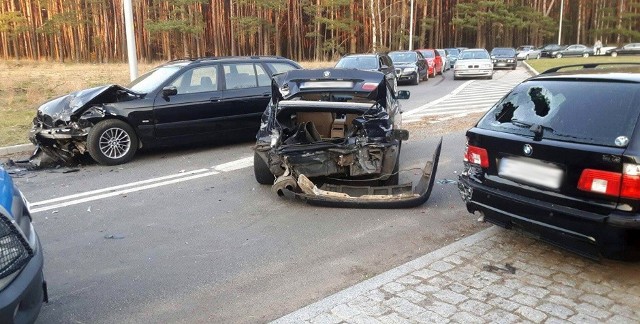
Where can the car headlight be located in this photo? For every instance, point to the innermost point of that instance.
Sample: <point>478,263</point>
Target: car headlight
<point>510,61</point>
<point>409,69</point>
<point>494,61</point>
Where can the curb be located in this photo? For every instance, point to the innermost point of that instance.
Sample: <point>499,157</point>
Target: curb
<point>531,70</point>
<point>328,303</point>
<point>22,148</point>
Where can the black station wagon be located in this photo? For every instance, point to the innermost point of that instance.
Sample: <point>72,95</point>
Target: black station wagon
<point>559,156</point>
<point>181,101</point>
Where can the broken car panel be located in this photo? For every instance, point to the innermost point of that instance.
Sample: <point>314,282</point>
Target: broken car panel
<point>338,124</point>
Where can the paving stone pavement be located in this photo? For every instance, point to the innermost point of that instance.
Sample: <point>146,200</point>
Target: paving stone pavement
<point>497,276</point>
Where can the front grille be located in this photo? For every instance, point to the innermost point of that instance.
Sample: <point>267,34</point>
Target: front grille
<point>14,250</point>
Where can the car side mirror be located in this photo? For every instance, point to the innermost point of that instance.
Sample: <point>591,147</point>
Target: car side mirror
<point>169,91</point>
<point>403,94</point>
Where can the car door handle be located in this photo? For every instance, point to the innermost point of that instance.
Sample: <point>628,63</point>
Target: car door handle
<point>267,94</point>
<point>215,99</point>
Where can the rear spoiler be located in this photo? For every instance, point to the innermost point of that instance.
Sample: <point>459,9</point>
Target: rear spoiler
<point>386,197</point>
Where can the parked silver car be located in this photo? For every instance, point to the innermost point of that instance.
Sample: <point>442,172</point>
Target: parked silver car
<point>526,52</point>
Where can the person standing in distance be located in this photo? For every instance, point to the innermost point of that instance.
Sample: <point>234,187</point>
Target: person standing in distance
<point>597,47</point>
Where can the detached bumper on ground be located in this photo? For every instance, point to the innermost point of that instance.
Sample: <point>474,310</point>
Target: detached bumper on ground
<point>400,196</point>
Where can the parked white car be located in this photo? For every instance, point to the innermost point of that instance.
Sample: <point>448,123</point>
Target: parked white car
<point>473,62</point>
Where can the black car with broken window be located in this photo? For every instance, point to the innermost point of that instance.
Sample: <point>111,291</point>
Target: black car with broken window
<point>336,124</point>
<point>559,156</point>
<point>182,101</point>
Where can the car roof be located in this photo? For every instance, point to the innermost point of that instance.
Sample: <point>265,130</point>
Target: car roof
<point>402,51</point>
<point>475,50</point>
<point>227,59</point>
<point>363,54</point>
<point>614,72</point>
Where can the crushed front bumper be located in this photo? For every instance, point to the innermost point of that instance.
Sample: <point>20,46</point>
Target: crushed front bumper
<point>400,196</point>
<point>63,143</point>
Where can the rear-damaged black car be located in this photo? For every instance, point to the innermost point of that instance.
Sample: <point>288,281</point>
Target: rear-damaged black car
<point>559,156</point>
<point>336,124</point>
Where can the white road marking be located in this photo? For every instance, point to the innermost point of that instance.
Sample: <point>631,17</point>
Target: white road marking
<point>472,96</point>
<point>235,165</point>
<point>114,188</point>
<point>84,197</point>
<point>122,192</point>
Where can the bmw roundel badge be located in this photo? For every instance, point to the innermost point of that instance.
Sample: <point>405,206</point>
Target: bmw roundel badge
<point>527,149</point>
<point>327,74</point>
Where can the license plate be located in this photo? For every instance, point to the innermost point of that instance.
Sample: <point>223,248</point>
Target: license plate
<point>534,172</point>
<point>326,84</point>
<point>501,64</point>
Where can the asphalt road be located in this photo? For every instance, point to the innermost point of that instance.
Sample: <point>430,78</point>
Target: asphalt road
<point>187,235</point>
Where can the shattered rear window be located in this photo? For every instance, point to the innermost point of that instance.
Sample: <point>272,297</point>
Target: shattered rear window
<point>590,111</point>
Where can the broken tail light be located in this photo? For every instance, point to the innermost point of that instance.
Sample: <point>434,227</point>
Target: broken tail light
<point>476,155</point>
<point>625,184</point>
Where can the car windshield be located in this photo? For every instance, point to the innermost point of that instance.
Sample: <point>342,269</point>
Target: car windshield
<point>574,111</point>
<point>154,78</point>
<point>469,55</point>
<point>403,57</point>
<point>358,62</point>
<point>428,54</point>
<point>453,51</point>
<point>503,52</point>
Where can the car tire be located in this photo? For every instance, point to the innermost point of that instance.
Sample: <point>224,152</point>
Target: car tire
<point>559,55</point>
<point>585,55</point>
<point>614,54</point>
<point>416,79</point>
<point>112,142</point>
<point>538,57</point>
<point>261,170</point>
<point>514,67</point>
<point>455,77</point>
<point>426,76</point>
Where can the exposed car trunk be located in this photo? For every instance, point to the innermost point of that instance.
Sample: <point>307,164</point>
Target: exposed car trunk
<point>331,138</point>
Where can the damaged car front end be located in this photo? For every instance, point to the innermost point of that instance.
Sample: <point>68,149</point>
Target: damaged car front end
<point>338,126</point>
<point>62,125</point>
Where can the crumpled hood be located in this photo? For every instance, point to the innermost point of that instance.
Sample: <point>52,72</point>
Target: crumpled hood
<point>60,110</point>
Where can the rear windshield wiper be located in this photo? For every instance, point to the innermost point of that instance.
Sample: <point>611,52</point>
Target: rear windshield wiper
<point>536,129</point>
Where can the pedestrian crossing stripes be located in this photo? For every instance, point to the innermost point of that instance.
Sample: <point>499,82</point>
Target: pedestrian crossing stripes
<point>470,97</point>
